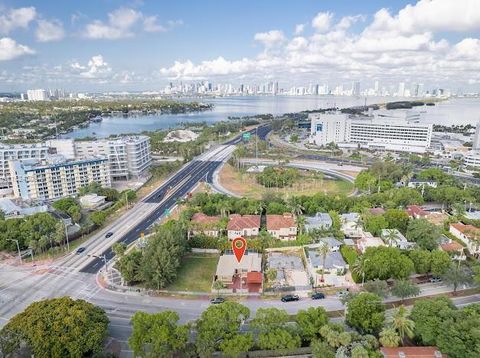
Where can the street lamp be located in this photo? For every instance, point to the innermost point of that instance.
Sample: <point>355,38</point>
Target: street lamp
<point>18,248</point>
<point>66,234</point>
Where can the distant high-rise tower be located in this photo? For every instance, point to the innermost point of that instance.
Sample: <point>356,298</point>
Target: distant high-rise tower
<point>376,88</point>
<point>356,88</point>
<point>401,89</point>
<point>476,138</point>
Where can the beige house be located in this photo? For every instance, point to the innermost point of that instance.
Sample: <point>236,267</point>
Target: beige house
<point>243,226</point>
<point>469,235</point>
<point>282,227</point>
<point>204,224</point>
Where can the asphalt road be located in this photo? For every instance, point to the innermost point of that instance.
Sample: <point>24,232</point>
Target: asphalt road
<point>164,199</point>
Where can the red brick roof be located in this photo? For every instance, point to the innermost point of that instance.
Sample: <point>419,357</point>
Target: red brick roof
<point>201,218</point>
<point>412,352</point>
<point>254,277</point>
<point>238,222</point>
<point>451,246</point>
<point>277,222</point>
<point>415,210</point>
<point>470,231</point>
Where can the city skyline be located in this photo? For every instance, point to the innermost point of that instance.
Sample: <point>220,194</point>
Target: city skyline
<point>145,45</point>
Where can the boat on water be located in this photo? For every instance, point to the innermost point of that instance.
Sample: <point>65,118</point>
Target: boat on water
<point>96,119</point>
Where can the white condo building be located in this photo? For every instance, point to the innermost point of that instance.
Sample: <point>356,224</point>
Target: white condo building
<point>37,95</point>
<point>56,177</point>
<point>18,152</point>
<point>127,156</point>
<point>381,132</point>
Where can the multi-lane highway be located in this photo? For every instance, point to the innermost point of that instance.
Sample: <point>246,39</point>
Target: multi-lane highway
<point>148,211</point>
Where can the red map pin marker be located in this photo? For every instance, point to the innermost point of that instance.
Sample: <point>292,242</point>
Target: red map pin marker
<point>239,245</point>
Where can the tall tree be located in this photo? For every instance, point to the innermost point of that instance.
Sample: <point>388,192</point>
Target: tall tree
<point>310,321</point>
<point>274,332</point>
<point>404,289</point>
<point>428,316</point>
<point>424,233</point>
<point>218,323</point>
<point>457,275</point>
<point>59,327</point>
<point>157,335</point>
<point>366,313</point>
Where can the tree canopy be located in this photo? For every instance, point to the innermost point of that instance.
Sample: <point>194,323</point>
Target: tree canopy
<point>366,313</point>
<point>59,327</point>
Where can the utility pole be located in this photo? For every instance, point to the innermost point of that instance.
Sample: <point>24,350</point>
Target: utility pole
<point>18,249</point>
<point>66,235</point>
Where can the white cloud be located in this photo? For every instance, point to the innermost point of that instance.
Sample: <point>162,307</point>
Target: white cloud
<point>119,25</point>
<point>16,18</point>
<point>96,68</point>
<point>270,38</point>
<point>124,23</point>
<point>386,48</point>
<point>49,31</point>
<point>150,24</point>
<point>10,49</point>
<point>299,29</point>
<point>430,15</point>
<point>322,22</point>
<point>217,67</point>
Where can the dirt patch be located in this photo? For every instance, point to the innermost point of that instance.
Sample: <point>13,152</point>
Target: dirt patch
<point>245,184</point>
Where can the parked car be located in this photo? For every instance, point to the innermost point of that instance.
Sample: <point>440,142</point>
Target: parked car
<point>289,298</point>
<point>435,279</point>
<point>217,300</point>
<point>108,234</point>
<point>80,250</point>
<point>318,296</point>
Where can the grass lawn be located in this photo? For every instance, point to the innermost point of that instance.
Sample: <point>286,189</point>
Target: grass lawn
<point>196,273</point>
<point>247,186</point>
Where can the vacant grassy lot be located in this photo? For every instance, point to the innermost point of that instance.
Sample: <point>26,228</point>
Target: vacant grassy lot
<point>247,186</point>
<point>196,273</point>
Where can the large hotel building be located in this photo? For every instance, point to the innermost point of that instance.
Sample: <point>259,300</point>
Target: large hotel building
<point>381,132</point>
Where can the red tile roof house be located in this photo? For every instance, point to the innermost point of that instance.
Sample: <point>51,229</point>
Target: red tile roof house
<point>416,212</point>
<point>283,227</point>
<point>412,352</point>
<point>204,224</point>
<point>454,249</point>
<point>469,235</point>
<point>244,226</point>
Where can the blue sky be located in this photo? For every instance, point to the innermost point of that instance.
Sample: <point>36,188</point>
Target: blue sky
<point>95,45</point>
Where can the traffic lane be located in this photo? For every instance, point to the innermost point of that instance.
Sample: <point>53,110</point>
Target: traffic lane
<point>206,167</point>
<point>159,194</point>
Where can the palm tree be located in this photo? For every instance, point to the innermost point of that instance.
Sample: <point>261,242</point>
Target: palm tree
<point>324,251</point>
<point>389,338</point>
<point>300,224</point>
<point>391,237</point>
<point>403,324</point>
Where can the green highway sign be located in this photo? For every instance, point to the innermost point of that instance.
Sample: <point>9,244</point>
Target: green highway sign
<point>246,135</point>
